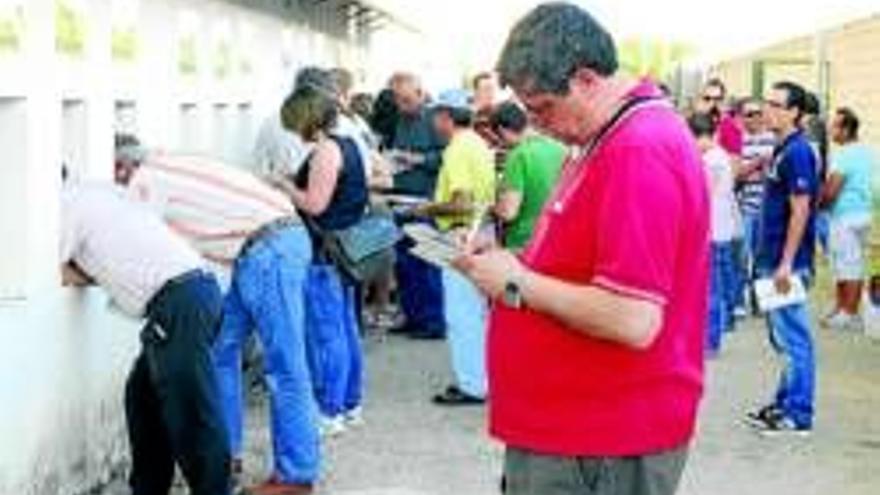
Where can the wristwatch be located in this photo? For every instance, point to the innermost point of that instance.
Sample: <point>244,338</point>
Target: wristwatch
<point>513,290</point>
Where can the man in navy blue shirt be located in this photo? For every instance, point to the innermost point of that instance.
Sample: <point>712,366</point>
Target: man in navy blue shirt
<point>785,250</point>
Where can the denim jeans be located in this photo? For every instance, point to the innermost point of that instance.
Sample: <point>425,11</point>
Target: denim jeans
<point>823,230</point>
<point>722,294</point>
<point>267,293</point>
<point>791,338</point>
<point>466,313</point>
<point>333,340</point>
<point>421,289</point>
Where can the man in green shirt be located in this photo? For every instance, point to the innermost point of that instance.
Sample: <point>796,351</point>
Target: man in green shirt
<point>530,174</point>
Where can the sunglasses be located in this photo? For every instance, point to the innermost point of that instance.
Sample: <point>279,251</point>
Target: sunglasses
<point>711,99</point>
<point>753,114</point>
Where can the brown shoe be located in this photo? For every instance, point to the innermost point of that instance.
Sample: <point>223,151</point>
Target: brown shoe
<point>275,487</point>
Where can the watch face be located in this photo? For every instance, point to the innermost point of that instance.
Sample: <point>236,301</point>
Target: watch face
<point>512,295</point>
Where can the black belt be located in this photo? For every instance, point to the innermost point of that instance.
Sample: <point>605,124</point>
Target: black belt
<point>267,231</point>
<point>169,286</point>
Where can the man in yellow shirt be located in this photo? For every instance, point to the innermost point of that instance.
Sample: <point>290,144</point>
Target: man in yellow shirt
<point>465,189</point>
<point>466,183</point>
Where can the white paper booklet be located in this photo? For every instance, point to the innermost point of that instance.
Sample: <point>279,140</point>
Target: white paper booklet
<point>770,299</point>
<point>432,245</point>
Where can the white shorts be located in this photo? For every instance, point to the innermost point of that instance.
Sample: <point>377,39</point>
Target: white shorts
<point>848,246</point>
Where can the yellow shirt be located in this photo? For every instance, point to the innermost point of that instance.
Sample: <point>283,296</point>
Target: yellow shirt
<point>469,167</point>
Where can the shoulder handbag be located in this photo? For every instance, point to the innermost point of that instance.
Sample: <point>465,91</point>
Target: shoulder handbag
<point>362,251</point>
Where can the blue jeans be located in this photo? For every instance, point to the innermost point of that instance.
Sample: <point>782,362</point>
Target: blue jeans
<point>267,294</point>
<point>466,332</point>
<point>791,337</point>
<point>334,344</point>
<point>823,230</point>
<point>421,290</point>
<point>721,294</point>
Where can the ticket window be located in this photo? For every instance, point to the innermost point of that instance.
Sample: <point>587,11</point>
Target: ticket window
<point>189,135</point>
<point>74,138</point>
<point>125,118</point>
<point>13,197</point>
<point>221,135</point>
<point>245,137</point>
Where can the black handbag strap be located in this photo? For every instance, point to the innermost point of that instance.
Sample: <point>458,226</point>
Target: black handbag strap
<point>625,108</point>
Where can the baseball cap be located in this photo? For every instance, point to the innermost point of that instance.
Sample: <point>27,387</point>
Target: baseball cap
<point>455,99</point>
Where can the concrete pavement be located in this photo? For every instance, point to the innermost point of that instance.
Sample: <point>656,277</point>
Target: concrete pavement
<point>410,447</point>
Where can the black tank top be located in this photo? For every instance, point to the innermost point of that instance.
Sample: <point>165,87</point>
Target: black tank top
<point>350,198</point>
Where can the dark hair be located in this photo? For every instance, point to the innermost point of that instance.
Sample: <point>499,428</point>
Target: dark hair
<point>385,116</point>
<point>811,104</point>
<point>316,77</point>
<point>482,76</point>
<point>510,116</point>
<point>362,105</point>
<point>716,82</point>
<point>308,111</point>
<point>795,96</point>
<point>123,140</point>
<point>550,44</point>
<point>461,117</point>
<point>702,125</point>
<point>343,79</point>
<point>127,148</point>
<point>849,122</point>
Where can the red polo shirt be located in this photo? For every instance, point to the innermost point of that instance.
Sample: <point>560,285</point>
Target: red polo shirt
<point>631,217</point>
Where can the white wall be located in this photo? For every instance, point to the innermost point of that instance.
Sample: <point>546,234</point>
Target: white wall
<point>64,354</point>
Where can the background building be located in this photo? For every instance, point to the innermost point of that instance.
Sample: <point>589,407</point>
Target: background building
<point>839,63</point>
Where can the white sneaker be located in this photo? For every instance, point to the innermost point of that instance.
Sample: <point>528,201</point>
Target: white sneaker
<point>354,418</point>
<point>846,322</point>
<point>825,319</point>
<point>331,426</point>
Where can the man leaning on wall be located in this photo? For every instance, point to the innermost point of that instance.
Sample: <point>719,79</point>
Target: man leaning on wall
<point>171,403</point>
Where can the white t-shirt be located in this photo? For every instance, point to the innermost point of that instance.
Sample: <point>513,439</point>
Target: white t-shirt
<point>122,245</point>
<point>724,210</point>
<point>350,128</point>
<point>279,151</point>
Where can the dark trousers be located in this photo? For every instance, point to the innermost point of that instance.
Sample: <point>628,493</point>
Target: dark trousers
<point>420,285</point>
<point>527,473</point>
<point>171,402</point>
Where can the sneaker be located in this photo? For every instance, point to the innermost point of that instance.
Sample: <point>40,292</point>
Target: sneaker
<point>846,323</point>
<point>782,425</point>
<point>761,416</point>
<point>740,313</point>
<point>330,427</point>
<point>354,417</point>
<point>829,315</point>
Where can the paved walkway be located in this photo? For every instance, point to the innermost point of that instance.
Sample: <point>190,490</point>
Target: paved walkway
<point>409,447</point>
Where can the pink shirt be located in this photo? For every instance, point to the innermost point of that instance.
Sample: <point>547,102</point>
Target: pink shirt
<point>730,134</point>
<point>632,218</point>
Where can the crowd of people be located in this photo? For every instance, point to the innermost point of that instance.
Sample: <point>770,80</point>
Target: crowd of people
<point>607,241</point>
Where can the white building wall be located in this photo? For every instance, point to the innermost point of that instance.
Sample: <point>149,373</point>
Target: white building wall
<point>65,354</point>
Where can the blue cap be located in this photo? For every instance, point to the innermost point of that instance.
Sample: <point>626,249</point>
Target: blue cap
<point>456,99</point>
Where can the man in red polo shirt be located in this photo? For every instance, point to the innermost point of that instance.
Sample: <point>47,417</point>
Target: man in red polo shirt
<point>597,331</point>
